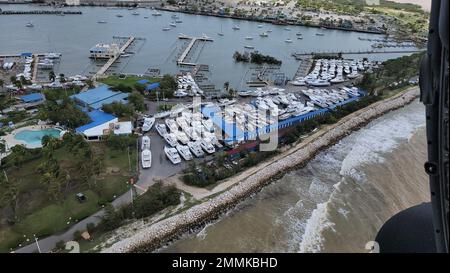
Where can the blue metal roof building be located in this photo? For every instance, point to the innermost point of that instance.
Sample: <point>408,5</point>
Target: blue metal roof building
<point>95,98</point>
<point>97,118</point>
<point>34,97</point>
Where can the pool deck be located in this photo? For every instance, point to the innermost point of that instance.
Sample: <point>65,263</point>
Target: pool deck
<point>11,141</point>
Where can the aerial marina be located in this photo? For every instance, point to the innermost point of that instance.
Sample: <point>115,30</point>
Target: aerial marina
<point>170,96</point>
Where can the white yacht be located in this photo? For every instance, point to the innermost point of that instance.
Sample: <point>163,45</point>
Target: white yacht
<point>209,125</point>
<point>245,93</point>
<point>146,159</point>
<point>135,13</point>
<point>148,124</point>
<point>156,13</point>
<point>320,82</point>
<point>162,129</point>
<point>236,27</point>
<point>172,154</point>
<point>288,41</point>
<point>183,150</point>
<point>171,139</point>
<point>172,125</point>
<point>264,34</point>
<point>145,143</point>
<point>248,38</point>
<point>182,137</point>
<point>195,148</point>
<point>173,24</point>
<point>206,144</point>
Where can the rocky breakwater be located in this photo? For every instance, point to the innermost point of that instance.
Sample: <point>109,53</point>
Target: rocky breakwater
<point>152,237</point>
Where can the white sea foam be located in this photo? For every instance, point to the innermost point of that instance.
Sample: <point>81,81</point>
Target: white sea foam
<point>312,238</point>
<point>363,147</point>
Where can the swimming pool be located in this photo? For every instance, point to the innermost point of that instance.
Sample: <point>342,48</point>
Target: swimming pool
<point>34,138</point>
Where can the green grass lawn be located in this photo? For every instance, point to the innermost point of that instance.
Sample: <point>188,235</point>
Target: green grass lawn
<point>127,81</point>
<point>39,214</point>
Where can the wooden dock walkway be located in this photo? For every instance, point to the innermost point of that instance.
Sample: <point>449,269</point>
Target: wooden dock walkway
<point>112,60</point>
<point>186,51</point>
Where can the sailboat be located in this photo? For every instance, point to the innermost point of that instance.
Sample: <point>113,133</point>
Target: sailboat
<point>220,33</point>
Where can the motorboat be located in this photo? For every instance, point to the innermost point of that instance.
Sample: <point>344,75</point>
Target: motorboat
<point>320,34</point>
<point>101,22</point>
<point>209,125</point>
<point>156,13</point>
<point>184,151</point>
<point>206,144</point>
<point>29,24</point>
<point>161,129</point>
<point>182,137</point>
<point>248,38</point>
<point>172,125</point>
<point>166,28</point>
<point>264,34</point>
<point>135,13</point>
<point>195,148</point>
<point>146,159</point>
<point>171,139</point>
<point>145,143</point>
<point>173,24</point>
<point>249,47</point>
<point>172,154</point>
<point>236,27</point>
<point>288,41</point>
<point>245,93</point>
<point>148,124</point>
<point>119,15</point>
<point>320,82</point>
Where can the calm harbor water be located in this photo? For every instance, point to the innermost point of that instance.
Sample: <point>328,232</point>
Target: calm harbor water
<point>336,203</point>
<point>74,35</point>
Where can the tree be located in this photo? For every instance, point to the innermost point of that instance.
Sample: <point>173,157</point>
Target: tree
<point>226,85</point>
<point>51,76</point>
<point>137,100</point>
<point>10,195</point>
<point>2,83</point>
<point>62,78</point>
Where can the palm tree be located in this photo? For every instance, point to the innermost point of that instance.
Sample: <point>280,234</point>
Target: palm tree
<point>51,76</point>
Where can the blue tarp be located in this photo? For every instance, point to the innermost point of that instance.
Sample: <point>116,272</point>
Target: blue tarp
<point>34,97</point>
<point>97,118</point>
<point>143,81</point>
<point>95,98</point>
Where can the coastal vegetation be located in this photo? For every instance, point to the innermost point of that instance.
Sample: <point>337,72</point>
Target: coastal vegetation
<point>256,58</point>
<point>155,199</point>
<point>393,74</point>
<point>38,186</point>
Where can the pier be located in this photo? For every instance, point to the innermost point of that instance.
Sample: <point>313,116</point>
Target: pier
<point>112,60</point>
<point>181,59</point>
<point>39,12</point>
<point>297,55</point>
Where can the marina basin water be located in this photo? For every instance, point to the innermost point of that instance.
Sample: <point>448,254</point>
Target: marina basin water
<point>34,138</point>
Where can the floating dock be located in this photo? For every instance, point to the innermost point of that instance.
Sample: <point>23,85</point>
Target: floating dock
<point>182,58</point>
<point>298,55</point>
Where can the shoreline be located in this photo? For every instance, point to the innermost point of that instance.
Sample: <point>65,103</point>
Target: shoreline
<point>151,238</point>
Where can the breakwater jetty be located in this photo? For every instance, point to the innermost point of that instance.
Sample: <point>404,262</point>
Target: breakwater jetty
<point>39,12</point>
<point>149,239</point>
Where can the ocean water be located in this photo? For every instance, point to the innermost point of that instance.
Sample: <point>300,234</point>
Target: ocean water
<point>337,202</point>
